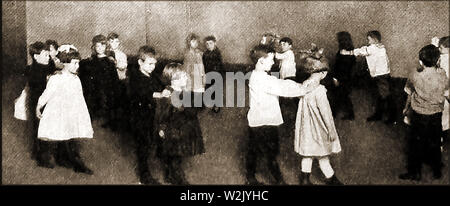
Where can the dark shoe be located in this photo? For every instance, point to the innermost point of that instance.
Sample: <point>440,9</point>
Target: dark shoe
<point>410,176</point>
<point>63,163</point>
<point>253,181</point>
<point>374,117</point>
<point>437,174</point>
<point>348,117</point>
<point>46,164</point>
<point>80,167</point>
<point>147,179</point>
<point>303,178</point>
<point>333,181</point>
<point>83,169</point>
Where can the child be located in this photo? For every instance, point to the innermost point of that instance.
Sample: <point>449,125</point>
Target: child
<point>178,127</point>
<point>54,61</point>
<point>119,57</point>
<point>121,96</point>
<point>287,59</point>
<point>378,63</point>
<point>443,44</point>
<point>426,94</point>
<point>65,117</point>
<point>193,65</point>
<point>213,62</point>
<point>99,78</point>
<point>36,74</point>
<point>264,116</point>
<point>144,85</point>
<point>315,132</point>
<point>342,72</point>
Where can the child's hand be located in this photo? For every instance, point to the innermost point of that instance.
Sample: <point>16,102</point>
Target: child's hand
<point>38,112</point>
<point>161,134</point>
<point>335,82</point>
<point>165,93</point>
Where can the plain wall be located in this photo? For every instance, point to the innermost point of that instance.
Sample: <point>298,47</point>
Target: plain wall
<point>78,22</point>
<point>14,41</point>
<point>405,26</point>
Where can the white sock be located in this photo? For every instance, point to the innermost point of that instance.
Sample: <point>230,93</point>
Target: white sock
<point>326,168</point>
<point>307,164</point>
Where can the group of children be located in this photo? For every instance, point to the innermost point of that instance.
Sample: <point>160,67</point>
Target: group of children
<point>108,85</point>
<point>105,87</point>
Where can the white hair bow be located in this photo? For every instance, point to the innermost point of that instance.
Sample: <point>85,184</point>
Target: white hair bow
<point>66,48</point>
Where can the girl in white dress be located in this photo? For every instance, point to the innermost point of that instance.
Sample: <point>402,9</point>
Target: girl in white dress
<point>315,132</point>
<point>65,116</point>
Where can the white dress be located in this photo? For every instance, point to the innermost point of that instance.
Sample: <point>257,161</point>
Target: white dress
<point>314,125</point>
<point>65,115</point>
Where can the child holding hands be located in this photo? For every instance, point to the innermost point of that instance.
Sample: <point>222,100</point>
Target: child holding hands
<point>65,117</point>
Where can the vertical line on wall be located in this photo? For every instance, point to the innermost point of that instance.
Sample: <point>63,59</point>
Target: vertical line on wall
<point>147,13</point>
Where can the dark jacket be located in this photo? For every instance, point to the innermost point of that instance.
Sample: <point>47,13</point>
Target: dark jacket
<point>212,60</point>
<point>343,67</point>
<point>99,80</point>
<point>142,102</point>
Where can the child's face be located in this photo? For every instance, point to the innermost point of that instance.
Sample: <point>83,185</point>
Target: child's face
<point>53,51</point>
<point>179,80</point>
<point>114,43</point>
<point>43,57</point>
<point>372,40</point>
<point>194,43</point>
<point>148,65</point>
<point>285,46</point>
<point>100,48</point>
<point>73,66</point>
<point>210,45</point>
<point>267,62</point>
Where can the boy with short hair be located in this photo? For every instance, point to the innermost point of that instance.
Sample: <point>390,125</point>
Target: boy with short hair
<point>426,88</point>
<point>121,95</point>
<point>37,74</point>
<point>378,63</point>
<point>144,85</point>
<point>287,59</point>
<point>264,116</point>
<point>212,59</point>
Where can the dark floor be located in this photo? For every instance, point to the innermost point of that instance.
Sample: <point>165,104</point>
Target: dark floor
<point>372,153</point>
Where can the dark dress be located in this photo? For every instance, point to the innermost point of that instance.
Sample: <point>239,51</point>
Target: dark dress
<point>99,80</point>
<point>182,133</point>
<point>343,70</point>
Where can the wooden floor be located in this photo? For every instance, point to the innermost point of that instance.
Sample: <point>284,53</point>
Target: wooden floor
<point>372,153</point>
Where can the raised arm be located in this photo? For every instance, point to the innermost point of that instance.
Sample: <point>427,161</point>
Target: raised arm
<point>284,88</point>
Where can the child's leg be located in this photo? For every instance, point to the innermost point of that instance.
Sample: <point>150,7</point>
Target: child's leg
<point>73,149</point>
<point>305,173</point>
<point>415,148</point>
<point>44,154</point>
<point>434,142</point>
<point>251,156</point>
<point>269,138</point>
<point>328,171</point>
<point>307,164</point>
<point>325,166</point>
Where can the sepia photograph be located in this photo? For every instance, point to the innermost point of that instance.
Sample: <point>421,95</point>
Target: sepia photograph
<point>223,93</point>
